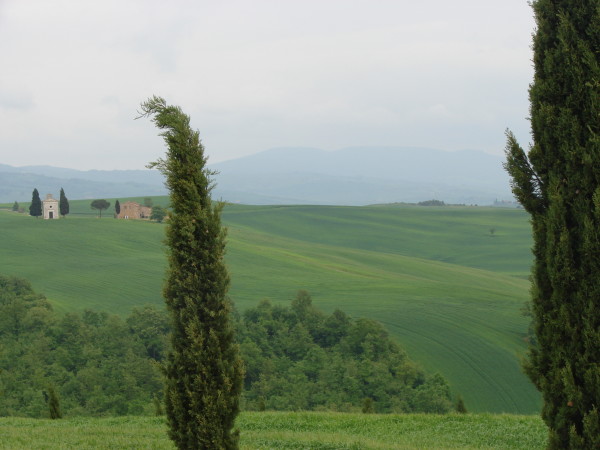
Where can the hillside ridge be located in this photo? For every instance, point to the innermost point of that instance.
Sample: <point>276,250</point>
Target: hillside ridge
<point>447,289</point>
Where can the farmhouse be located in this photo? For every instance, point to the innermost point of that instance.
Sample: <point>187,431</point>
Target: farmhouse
<point>133,210</point>
<point>50,208</point>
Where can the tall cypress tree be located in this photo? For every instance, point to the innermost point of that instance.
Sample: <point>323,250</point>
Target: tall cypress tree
<point>558,183</point>
<point>117,208</point>
<point>35,209</point>
<point>63,203</point>
<point>203,371</point>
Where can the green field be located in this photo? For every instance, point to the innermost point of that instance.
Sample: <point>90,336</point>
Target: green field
<point>290,431</point>
<point>447,288</point>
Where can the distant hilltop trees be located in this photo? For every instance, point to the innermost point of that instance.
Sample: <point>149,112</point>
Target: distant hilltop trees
<point>432,203</point>
<point>100,205</point>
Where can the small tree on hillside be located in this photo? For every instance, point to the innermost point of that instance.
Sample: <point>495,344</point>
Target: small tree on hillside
<point>158,213</point>
<point>35,209</point>
<point>15,206</point>
<point>117,208</point>
<point>63,203</point>
<point>100,205</point>
<point>203,371</point>
<point>148,202</point>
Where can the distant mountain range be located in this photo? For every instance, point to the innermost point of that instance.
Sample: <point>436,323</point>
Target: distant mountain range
<point>17,183</point>
<point>350,176</point>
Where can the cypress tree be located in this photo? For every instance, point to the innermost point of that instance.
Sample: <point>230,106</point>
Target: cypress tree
<point>63,203</point>
<point>203,370</point>
<point>460,406</point>
<point>117,208</point>
<point>15,206</point>
<point>558,183</point>
<point>158,406</point>
<point>53,404</point>
<point>35,209</point>
<point>368,406</point>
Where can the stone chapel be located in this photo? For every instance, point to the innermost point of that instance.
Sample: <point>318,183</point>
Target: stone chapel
<point>50,209</point>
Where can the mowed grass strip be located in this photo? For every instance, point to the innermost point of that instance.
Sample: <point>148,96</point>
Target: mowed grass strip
<point>299,430</point>
<point>460,320</point>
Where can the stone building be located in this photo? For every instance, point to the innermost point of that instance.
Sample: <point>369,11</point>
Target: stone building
<point>50,209</point>
<point>133,210</point>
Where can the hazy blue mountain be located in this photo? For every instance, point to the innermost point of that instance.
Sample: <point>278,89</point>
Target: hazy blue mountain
<point>350,176</point>
<point>363,175</point>
<point>17,185</point>
<point>468,167</point>
<point>150,177</point>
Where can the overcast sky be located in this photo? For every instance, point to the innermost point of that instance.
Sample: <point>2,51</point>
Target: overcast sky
<point>257,74</point>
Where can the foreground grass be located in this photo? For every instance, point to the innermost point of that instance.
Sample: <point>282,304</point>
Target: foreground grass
<point>290,431</point>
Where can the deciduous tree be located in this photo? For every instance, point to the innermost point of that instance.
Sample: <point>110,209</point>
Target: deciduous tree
<point>158,213</point>
<point>203,371</point>
<point>100,205</point>
<point>558,183</point>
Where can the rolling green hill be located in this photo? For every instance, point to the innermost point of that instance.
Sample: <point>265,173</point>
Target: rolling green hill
<point>446,287</point>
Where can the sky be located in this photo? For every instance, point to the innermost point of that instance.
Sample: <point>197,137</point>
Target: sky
<point>259,74</point>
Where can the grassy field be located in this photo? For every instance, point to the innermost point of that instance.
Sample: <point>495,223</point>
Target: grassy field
<point>446,287</point>
<point>290,431</point>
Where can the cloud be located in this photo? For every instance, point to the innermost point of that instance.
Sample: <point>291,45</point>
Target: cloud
<point>254,75</point>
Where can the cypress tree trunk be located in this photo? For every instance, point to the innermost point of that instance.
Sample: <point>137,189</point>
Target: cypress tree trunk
<point>558,183</point>
<point>204,371</point>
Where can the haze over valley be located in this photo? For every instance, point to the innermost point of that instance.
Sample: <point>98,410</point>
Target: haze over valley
<point>350,176</point>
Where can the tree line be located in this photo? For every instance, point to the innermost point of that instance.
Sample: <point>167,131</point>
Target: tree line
<point>299,358</point>
<point>295,357</point>
<point>98,363</point>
